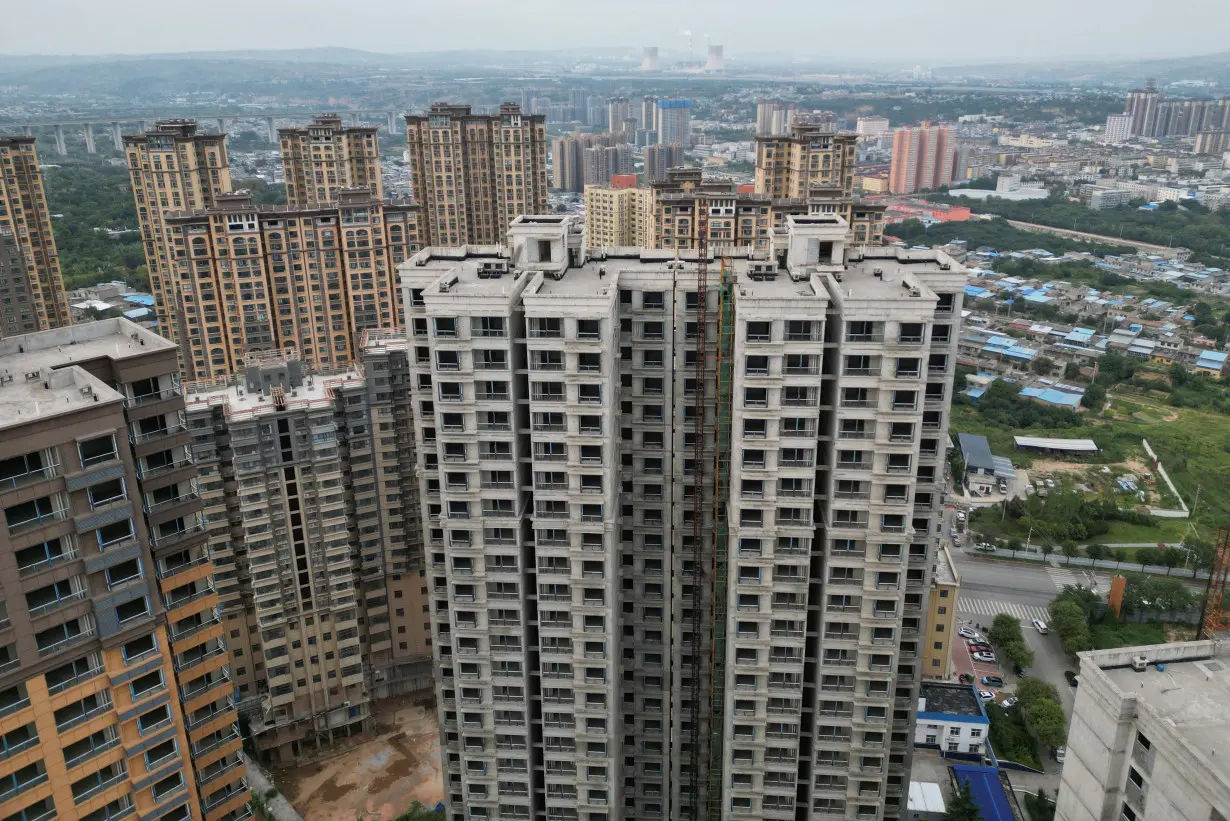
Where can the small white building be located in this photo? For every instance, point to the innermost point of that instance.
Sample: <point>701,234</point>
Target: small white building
<point>951,718</point>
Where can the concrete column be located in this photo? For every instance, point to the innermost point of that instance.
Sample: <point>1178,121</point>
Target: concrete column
<point>391,116</point>
<point>61,146</point>
<point>90,148</point>
<point>28,130</point>
<point>273,129</point>
<point>117,135</point>
<point>354,118</point>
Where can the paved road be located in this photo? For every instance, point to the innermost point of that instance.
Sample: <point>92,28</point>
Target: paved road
<point>1161,250</point>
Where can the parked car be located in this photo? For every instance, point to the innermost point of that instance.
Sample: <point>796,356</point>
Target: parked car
<point>985,657</point>
<point>985,547</point>
<point>1050,483</point>
<point>979,646</point>
<point>1072,678</point>
<point>992,681</point>
<point>986,695</point>
<point>960,516</point>
<point>1010,701</point>
<point>1058,754</point>
<point>969,633</point>
<point>1040,626</point>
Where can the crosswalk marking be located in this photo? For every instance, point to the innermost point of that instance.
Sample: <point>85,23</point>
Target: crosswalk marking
<point>1063,577</point>
<point>984,607</point>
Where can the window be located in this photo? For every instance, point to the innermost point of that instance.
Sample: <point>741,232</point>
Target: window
<point>96,451</point>
<point>146,684</point>
<point>130,611</point>
<point>123,572</point>
<point>161,753</point>
<point>138,648</point>
<point>172,783</point>
<point>155,718</point>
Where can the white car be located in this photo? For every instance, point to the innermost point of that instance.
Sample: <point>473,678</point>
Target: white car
<point>986,658</point>
<point>960,516</point>
<point>1010,701</point>
<point>969,633</point>
<point>1050,482</point>
<point>986,695</point>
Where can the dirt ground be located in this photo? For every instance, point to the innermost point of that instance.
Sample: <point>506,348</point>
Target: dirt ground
<point>378,775</point>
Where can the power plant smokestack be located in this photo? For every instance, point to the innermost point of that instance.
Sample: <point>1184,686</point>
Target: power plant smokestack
<point>649,59</point>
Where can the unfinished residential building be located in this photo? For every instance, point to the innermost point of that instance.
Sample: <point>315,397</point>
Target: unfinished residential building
<point>172,168</point>
<point>315,538</point>
<point>742,220</point>
<point>325,157</point>
<point>473,174</point>
<point>32,294</point>
<point>115,686</point>
<point>680,518</point>
<point>309,280</point>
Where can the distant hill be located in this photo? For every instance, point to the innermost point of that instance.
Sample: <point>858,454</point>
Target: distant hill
<point>1210,67</point>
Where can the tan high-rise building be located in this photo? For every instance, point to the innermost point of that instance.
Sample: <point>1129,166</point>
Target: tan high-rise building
<point>115,683</point>
<point>661,158</point>
<point>318,544</point>
<point>922,158</point>
<point>324,157</point>
<point>473,174</point>
<point>32,288</point>
<point>618,217</point>
<point>811,161</point>
<point>568,160</point>
<point>308,280</point>
<point>172,168</point>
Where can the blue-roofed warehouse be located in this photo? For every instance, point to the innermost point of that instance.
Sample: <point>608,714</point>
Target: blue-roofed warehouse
<point>990,792</point>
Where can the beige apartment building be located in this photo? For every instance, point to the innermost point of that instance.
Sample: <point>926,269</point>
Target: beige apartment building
<point>626,484</point>
<point>115,685</point>
<point>31,287</point>
<point>308,280</point>
<point>172,168</point>
<point>741,220</point>
<point>325,157</point>
<point>473,174</point>
<point>317,545</point>
<point>941,627</point>
<point>618,217</point>
<point>811,161</point>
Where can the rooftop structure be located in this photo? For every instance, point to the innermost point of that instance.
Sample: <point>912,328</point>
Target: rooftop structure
<point>1148,734</point>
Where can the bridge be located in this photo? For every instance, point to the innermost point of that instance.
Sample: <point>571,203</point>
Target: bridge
<point>115,127</point>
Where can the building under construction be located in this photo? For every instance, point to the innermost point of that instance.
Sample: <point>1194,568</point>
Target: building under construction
<point>680,515</point>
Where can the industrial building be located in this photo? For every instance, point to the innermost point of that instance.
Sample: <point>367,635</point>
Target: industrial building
<point>628,460</point>
<point>115,682</point>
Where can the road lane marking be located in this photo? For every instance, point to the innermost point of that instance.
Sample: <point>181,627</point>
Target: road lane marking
<point>985,607</point>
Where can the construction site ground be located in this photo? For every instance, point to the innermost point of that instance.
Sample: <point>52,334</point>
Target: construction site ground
<point>375,776</point>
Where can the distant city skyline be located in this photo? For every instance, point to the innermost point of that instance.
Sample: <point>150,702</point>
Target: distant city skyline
<point>909,33</point>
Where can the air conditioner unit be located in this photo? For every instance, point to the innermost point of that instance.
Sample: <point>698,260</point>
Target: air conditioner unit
<point>345,703</point>
<point>1139,663</point>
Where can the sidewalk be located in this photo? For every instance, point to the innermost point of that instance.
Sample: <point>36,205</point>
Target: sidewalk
<point>1057,559</point>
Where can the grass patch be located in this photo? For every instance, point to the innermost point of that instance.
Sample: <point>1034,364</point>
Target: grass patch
<point>1168,530</point>
<point>1109,635</point>
<point>1010,738</point>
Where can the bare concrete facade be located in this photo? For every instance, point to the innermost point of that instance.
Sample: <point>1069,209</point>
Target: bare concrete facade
<point>559,489</point>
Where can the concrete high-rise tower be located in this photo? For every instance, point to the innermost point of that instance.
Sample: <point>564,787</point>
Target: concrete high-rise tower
<point>922,158</point>
<point>324,157</point>
<point>496,171</point>
<point>650,60</point>
<point>680,559</point>
<point>32,288</point>
<point>1142,107</point>
<point>675,122</point>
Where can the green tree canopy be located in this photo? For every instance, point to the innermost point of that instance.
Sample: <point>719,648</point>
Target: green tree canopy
<point>1045,718</point>
<point>961,806</point>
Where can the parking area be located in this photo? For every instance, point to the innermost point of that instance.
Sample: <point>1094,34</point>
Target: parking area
<point>963,663</point>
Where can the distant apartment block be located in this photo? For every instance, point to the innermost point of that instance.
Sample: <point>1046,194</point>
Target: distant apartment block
<point>773,117</point>
<point>116,694</point>
<point>325,157</point>
<point>618,217</point>
<point>276,278</point>
<point>871,126</point>
<point>568,160</point>
<point>32,291</point>
<point>922,158</point>
<point>172,168</point>
<point>626,483</point>
<point>661,158</point>
<point>675,122</point>
<point>473,174</point>
<point>1118,128</point>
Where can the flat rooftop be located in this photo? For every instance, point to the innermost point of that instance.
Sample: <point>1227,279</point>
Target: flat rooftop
<point>49,393</point>
<point>240,402</point>
<point>949,699</point>
<point>895,279</point>
<point>945,570</point>
<point>1191,693</point>
<point>116,339</point>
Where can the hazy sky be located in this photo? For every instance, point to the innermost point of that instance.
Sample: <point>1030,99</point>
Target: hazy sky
<point>927,31</point>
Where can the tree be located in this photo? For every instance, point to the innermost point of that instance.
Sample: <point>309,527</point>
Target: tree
<point>1047,549</point>
<point>1148,555</point>
<point>418,812</point>
<point>1004,630</point>
<point>1040,806</point>
<point>1171,558</point>
<point>1071,551</point>
<point>1030,689</point>
<point>1014,544</point>
<point>1120,554</point>
<point>1202,553</point>
<point>1068,619</point>
<point>1096,551</point>
<point>1018,653</point>
<point>1072,370</point>
<point>1045,718</point>
<point>961,806</point>
<point>1043,365</point>
<point>1093,398</point>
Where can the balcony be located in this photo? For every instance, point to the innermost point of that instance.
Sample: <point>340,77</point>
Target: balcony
<point>167,467</point>
<point>156,396</point>
<point>137,437</point>
<point>30,477</point>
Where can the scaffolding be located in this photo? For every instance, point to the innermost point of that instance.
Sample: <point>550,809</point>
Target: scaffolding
<point>698,479</point>
<point>1214,619</point>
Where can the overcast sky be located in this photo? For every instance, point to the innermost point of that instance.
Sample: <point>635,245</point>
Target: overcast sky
<point>927,31</point>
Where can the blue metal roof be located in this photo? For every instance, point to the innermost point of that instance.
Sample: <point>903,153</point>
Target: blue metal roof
<point>987,791</point>
<point>1053,397</point>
